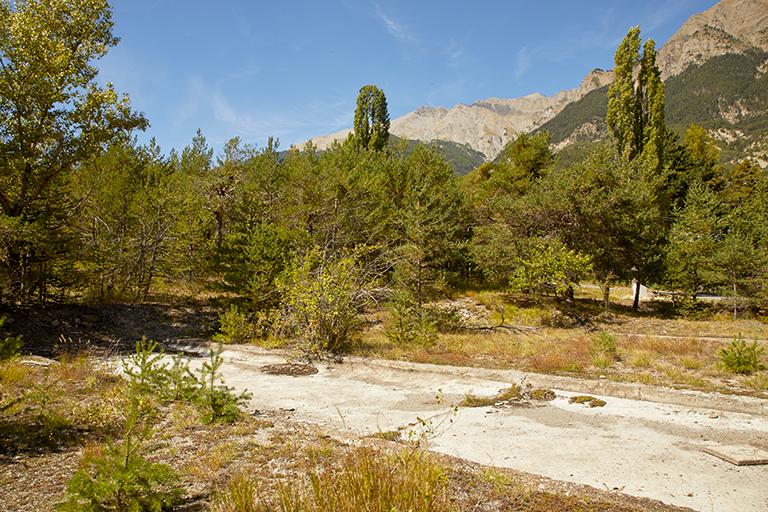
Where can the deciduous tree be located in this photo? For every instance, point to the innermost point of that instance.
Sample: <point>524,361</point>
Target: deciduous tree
<point>53,116</point>
<point>371,125</point>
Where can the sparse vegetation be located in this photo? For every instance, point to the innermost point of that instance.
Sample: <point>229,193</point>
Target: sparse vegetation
<point>149,374</point>
<point>118,477</point>
<point>372,246</point>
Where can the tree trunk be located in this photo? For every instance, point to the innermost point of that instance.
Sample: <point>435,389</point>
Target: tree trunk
<point>636,300</point>
<point>606,296</point>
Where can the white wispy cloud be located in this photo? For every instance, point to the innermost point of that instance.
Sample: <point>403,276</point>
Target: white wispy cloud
<point>396,29</point>
<point>454,52</point>
<point>522,62</point>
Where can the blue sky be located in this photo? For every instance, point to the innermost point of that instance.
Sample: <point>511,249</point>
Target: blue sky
<point>292,69</point>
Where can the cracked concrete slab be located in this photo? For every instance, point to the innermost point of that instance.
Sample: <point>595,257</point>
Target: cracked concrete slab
<point>641,448</point>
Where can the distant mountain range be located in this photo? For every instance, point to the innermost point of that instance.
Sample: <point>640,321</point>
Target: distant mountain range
<point>715,69</point>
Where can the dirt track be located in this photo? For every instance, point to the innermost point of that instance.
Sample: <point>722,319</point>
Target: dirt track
<point>637,447</point>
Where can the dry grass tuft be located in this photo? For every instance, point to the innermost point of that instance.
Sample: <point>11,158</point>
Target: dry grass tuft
<point>511,393</point>
<point>364,480</point>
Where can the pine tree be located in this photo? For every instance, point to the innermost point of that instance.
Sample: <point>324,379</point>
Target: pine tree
<point>694,239</point>
<point>54,115</point>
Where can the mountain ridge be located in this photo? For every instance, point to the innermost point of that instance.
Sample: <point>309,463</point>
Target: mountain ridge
<point>730,26</point>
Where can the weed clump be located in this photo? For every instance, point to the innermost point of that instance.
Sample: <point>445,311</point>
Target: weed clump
<point>540,394</point>
<point>587,400</point>
<point>604,350</point>
<point>365,480</point>
<point>510,394</point>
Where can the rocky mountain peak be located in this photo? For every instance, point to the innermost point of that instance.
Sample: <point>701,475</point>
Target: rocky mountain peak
<point>730,26</point>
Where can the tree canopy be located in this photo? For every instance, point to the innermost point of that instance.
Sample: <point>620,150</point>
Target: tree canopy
<point>371,125</point>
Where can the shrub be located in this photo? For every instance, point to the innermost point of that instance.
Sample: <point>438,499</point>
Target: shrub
<point>409,323</point>
<point>118,477</point>
<point>604,350</point>
<point>148,375</point>
<point>742,357</point>
<point>549,266</point>
<point>322,296</point>
<point>145,370</point>
<point>217,402</point>
<point>235,327</point>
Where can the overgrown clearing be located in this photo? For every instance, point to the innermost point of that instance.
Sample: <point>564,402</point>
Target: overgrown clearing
<point>268,461</point>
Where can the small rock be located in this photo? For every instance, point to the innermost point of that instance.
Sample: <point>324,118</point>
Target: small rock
<point>713,416</point>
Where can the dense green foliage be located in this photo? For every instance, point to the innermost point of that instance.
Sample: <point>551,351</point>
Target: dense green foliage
<point>53,116</point>
<point>371,126</point>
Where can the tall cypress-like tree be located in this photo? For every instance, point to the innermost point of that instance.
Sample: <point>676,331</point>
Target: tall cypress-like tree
<point>371,119</point>
<point>636,118</point>
<point>636,102</point>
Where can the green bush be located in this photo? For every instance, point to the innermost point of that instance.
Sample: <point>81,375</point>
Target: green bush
<point>605,344</point>
<point>235,327</point>
<point>742,357</point>
<point>149,375</point>
<point>409,323</point>
<point>548,266</point>
<point>118,477</point>
<point>217,402</point>
<point>322,296</point>
<point>144,368</point>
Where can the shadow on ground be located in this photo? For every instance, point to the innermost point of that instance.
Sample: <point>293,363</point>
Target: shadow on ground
<point>54,329</point>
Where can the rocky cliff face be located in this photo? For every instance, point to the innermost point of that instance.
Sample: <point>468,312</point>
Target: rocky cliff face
<point>730,26</point>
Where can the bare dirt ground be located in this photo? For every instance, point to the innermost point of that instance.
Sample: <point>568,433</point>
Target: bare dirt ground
<point>640,448</point>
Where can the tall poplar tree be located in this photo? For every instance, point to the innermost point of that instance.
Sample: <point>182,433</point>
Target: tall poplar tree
<point>636,118</point>
<point>371,126</point>
<point>636,102</point>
